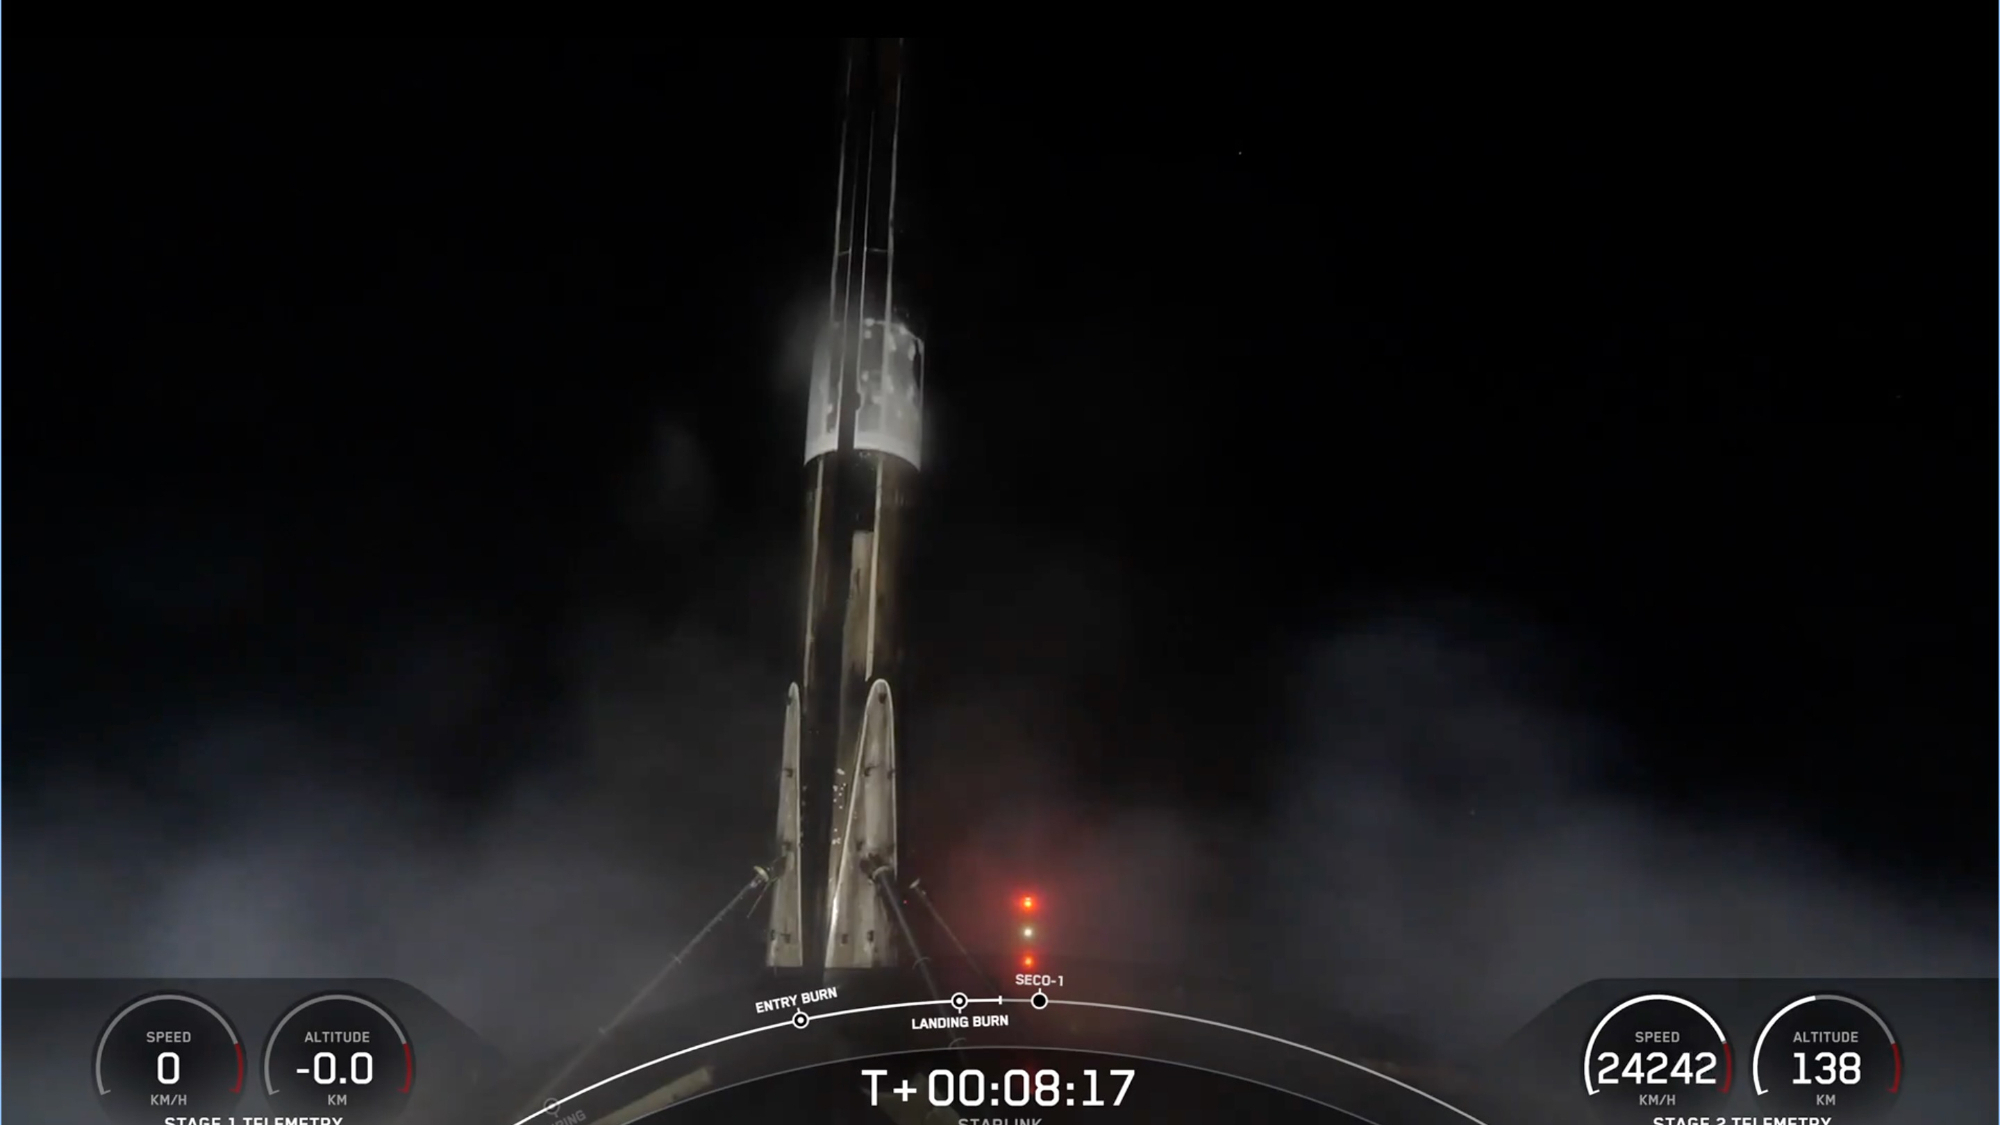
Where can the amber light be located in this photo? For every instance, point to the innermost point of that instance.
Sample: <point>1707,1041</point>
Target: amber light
<point>1027,902</point>
<point>1028,962</point>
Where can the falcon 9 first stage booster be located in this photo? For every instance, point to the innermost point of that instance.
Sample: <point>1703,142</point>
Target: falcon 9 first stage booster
<point>837,831</point>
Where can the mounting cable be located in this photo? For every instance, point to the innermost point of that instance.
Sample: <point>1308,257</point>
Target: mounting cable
<point>884,878</point>
<point>758,881</point>
<point>923,896</point>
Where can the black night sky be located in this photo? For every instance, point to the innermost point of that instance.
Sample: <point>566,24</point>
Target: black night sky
<point>1362,487</point>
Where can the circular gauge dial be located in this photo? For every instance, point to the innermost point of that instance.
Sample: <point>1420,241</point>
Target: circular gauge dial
<point>339,1055</point>
<point>1654,1056</point>
<point>1823,1053</point>
<point>168,1055</point>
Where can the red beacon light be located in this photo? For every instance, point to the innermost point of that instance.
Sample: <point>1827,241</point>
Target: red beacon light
<point>1027,905</point>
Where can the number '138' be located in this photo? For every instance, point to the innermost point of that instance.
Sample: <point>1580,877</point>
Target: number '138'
<point>1843,1069</point>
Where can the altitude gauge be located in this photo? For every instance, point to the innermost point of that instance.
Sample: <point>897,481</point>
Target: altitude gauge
<point>339,1055</point>
<point>1657,1056</point>
<point>167,1055</point>
<point>1823,1053</point>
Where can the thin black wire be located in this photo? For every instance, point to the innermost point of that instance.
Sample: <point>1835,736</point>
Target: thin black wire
<point>755,885</point>
<point>885,882</point>
<point>923,896</point>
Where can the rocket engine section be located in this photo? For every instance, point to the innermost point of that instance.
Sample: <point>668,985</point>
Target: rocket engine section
<point>837,831</point>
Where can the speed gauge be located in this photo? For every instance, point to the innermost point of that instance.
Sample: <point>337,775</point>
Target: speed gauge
<point>1653,1056</point>
<point>165,1055</point>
